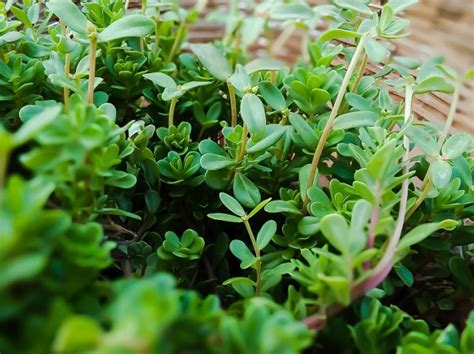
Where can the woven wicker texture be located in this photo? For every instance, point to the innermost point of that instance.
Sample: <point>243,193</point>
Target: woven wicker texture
<point>438,27</point>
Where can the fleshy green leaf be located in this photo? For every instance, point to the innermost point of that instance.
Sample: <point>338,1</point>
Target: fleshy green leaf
<point>245,191</point>
<point>160,79</point>
<point>213,60</point>
<point>355,120</point>
<point>253,114</point>
<point>135,25</point>
<point>434,83</point>
<point>337,33</point>
<point>456,145</point>
<point>70,15</point>
<point>214,162</point>
<point>356,5</point>
<point>419,233</point>
<point>266,234</point>
<point>263,64</point>
<point>240,250</point>
<point>35,125</point>
<point>225,217</point>
<point>295,11</point>
<point>232,204</point>
<point>440,173</point>
<point>334,227</point>
<point>272,95</point>
<point>375,50</point>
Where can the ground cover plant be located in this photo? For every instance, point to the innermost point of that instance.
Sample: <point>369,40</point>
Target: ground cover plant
<point>158,196</point>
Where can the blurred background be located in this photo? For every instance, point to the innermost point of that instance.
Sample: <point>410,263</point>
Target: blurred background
<point>437,27</point>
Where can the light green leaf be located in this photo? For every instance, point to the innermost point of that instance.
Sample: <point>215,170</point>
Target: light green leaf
<point>213,162</point>
<point>423,140</point>
<point>469,75</point>
<point>245,191</point>
<point>266,234</point>
<point>70,15</point>
<point>434,83</point>
<point>213,60</point>
<point>440,173</point>
<point>263,64</point>
<point>334,227</point>
<point>243,286</point>
<point>419,233</point>
<point>135,25</point>
<point>375,50</point>
<point>232,204</point>
<point>240,250</point>
<point>356,119</point>
<point>337,33</point>
<point>160,79</point>
<point>273,133</point>
<point>385,17</point>
<point>253,114</point>
<point>259,207</point>
<point>272,95</point>
<point>305,131</point>
<point>295,11</point>
<point>356,5</point>
<point>240,79</point>
<point>193,84</point>
<point>171,92</point>
<point>400,5</point>
<point>35,125</point>
<point>282,206</point>
<point>382,160</point>
<point>224,217</point>
<point>456,145</point>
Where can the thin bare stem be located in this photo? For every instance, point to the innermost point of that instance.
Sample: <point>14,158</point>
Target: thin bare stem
<point>4,157</point>
<point>92,60</point>
<point>451,114</point>
<point>243,145</point>
<point>332,117</point>
<point>177,40</point>
<point>67,69</point>
<point>427,184</point>
<point>171,111</point>
<point>282,39</point>
<point>258,263</point>
<point>233,104</point>
<point>384,266</point>
<point>156,44</point>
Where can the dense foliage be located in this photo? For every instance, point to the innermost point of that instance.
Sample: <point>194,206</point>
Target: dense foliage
<point>162,197</point>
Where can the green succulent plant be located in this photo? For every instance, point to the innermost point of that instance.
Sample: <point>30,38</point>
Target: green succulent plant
<point>164,196</point>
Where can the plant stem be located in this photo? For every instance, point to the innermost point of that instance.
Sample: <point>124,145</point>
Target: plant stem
<point>451,114</point>
<point>156,44</point>
<point>384,266</point>
<point>282,39</point>
<point>233,104</point>
<point>67,69</point>
<point>171,111</point>
<point>361,71</point>
<point>374,219</point>
<point>243,145</point>
<point>92,60</point>
<point>177,40</point>
<point>4,157</point>
<point>424,193</point>
<point>427,183</point>
<point>142,40</point>
<point>332,116</point>
<point>258,263</point>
